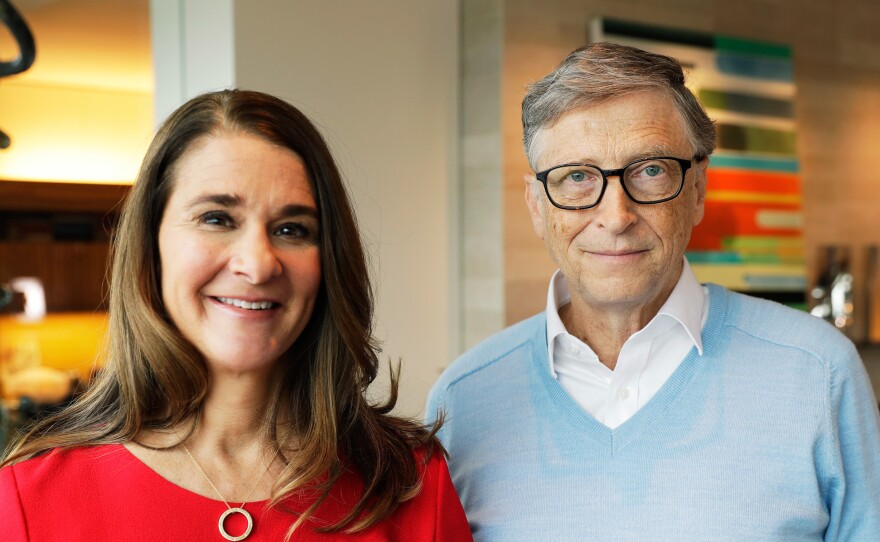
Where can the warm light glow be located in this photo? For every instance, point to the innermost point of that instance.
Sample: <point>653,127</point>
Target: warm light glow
<point>69,164</point>
<point>66,341</point>
<point>73,134</point>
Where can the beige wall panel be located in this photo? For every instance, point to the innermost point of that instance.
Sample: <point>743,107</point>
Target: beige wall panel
<point>380,80</point>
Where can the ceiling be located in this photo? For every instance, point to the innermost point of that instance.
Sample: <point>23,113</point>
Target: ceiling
<point>86,43</point>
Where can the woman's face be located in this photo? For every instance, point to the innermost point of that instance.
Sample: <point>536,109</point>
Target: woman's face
<point>238,245</point>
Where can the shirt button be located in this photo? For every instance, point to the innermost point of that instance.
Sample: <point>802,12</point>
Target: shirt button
<point>623,394</point>
<point>573,349</point>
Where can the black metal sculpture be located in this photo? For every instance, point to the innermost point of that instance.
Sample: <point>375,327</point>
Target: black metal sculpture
<point>27,49</point>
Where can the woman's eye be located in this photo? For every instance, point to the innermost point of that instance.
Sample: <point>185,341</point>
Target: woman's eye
<point>216,218</point>
<point>293,231</point>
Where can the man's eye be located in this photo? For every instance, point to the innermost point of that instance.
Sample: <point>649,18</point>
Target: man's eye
<point>653,170</point>
<point>579,176</point>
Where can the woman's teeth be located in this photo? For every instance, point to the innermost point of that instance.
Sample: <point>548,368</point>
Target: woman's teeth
<point>258,306</point>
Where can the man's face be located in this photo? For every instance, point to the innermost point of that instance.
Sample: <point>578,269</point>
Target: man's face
<point>618,255</point>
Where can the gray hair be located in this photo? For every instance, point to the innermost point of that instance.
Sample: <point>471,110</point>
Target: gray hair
<point>601,71</point>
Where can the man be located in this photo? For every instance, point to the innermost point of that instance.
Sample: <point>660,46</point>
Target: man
<point>641,405</point>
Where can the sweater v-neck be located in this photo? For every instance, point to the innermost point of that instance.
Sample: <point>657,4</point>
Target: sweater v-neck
<point>614,440</point>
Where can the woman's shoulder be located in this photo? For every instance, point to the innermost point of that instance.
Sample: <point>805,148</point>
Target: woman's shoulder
<point>54,487</point>
<point>70,456</point>
<point>50,471</point>
<point>429,462</point>
<point>431,512</point>
<point>432,460</point>
<point>436,507</point>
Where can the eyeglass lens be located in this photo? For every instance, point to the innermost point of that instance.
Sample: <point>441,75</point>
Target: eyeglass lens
<point>646,181</point>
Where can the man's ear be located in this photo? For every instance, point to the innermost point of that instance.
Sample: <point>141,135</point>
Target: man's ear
<point>535,205</point>
<point>700,183</point>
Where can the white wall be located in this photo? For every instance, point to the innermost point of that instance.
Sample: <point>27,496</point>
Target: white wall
<point>380,79</point>
<point>193,50</point>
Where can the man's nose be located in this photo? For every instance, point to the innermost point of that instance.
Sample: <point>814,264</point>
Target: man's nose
<point>616,211</point>
<point>254,257</point>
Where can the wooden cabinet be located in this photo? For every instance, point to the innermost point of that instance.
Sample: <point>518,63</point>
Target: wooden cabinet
<point>72,273</point>
<point>59,232</point>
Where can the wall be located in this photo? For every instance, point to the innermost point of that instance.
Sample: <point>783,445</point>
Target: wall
<point>482,220</point>
<point>380,79</point>
<point>193,46</point>
<point>837,72</point>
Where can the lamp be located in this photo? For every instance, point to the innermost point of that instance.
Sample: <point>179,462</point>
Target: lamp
<point>34,297</point>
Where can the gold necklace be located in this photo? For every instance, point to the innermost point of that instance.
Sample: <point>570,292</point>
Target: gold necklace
<point>230,509</point>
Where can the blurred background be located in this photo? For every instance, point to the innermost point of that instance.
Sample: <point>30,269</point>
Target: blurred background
<point>419,100</point>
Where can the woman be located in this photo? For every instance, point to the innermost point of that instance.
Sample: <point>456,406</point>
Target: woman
<point>232,403</point>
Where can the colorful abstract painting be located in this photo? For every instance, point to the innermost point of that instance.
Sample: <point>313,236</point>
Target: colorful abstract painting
<point>751,238</point>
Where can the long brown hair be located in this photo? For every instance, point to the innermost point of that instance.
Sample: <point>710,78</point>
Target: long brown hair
<point>155,379</point>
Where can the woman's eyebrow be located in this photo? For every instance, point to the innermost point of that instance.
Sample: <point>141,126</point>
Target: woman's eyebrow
<point>299,209</point>
<point>230,200</point>
<point>224,200</point>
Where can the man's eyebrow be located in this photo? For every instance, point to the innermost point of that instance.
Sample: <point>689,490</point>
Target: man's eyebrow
<point>657,150</point>
<point>651,152</point>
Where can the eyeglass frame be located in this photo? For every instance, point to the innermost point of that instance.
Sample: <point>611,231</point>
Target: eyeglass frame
<point>541,176</point>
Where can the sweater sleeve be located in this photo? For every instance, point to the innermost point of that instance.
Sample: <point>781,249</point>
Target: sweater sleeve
<point>450,522</point>
<point>13,527</point>
<point>434,406</point>
<point>853,497</point>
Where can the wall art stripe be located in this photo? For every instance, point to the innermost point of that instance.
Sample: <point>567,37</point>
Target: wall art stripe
<point>751,237</point>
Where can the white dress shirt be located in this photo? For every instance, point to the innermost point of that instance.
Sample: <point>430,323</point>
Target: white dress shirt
<point>647,360</point>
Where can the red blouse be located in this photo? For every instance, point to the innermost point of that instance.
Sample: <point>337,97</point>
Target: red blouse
<point>104,493</point>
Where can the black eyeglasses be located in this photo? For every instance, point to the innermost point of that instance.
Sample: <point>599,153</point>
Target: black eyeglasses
<point>646,181</point>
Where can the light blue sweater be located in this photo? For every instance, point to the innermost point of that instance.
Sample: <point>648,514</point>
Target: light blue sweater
<point>772,434</point>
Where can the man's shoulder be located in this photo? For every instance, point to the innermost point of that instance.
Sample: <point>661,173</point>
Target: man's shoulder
<point>779,324</point>
<point>492,350</point>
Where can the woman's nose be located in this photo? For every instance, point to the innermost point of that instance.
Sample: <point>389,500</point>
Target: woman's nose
<point>254,257</point>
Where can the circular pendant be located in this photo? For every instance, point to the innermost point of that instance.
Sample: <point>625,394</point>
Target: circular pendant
<point>245,534</point>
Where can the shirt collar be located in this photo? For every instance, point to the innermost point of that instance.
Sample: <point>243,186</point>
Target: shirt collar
<point>686,305</point>
<point>557,296</point>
